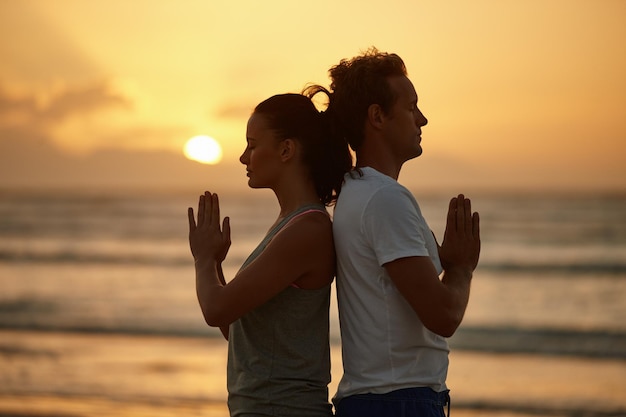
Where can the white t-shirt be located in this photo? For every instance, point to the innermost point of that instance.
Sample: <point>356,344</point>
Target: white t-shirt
<point>385,345</point>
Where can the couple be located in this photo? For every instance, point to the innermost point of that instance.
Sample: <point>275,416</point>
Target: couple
<point>400,294</point>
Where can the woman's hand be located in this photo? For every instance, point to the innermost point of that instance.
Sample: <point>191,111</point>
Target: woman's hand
<point>208,242</point>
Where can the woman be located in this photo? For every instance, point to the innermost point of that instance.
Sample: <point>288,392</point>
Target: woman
<point>274,312</point>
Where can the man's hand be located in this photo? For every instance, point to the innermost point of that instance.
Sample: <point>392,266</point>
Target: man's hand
<point>460,249</point>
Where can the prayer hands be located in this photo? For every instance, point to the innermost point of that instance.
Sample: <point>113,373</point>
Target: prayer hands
<point>461,241</point>
<point>207,240</point>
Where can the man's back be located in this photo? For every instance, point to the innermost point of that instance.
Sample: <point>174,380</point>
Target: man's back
<point>386,347</point>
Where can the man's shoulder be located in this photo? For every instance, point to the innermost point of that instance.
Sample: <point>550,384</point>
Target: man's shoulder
<point>370,186</point>
<point>370,178</point>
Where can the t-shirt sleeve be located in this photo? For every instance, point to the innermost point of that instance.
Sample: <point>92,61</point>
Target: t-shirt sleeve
<point>391,224</point>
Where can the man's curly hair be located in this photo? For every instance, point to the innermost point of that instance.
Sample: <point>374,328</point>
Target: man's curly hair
<point>358,83</point>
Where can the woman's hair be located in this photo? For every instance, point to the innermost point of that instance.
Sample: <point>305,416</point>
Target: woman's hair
<point>294,116</point>
<point>358,83</point>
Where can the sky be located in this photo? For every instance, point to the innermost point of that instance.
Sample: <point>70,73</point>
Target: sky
<point>520,95</point>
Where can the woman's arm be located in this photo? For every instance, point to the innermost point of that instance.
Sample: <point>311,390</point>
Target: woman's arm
<point>302,252</point>
<point>220,273</point>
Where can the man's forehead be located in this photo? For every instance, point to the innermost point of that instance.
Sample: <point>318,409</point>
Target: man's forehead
<point>403,87</point>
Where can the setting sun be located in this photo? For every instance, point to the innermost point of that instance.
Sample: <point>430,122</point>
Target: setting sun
<point>203,149</point>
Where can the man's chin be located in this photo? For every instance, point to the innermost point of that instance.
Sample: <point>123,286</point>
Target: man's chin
<point>418,152</point>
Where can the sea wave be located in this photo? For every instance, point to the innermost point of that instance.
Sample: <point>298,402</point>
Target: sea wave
<point>82,257</point>
<point>78,257</point>
<point>497,340</point>
<point>43,315</point>
<point>545,341</point>
<point>615,267</point>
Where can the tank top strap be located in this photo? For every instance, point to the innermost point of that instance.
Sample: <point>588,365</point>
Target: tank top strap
<point>305,210</point>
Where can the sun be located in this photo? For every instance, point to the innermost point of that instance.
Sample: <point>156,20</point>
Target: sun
<point>203,149</point>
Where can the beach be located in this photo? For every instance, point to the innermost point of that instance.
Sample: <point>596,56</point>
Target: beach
<point>70,374</point>
<point>99,317</point>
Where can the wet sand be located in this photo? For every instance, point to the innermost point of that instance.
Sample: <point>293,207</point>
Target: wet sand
<point>71,374</point>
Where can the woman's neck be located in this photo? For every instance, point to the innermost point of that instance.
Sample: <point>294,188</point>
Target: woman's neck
<point>290,198</point>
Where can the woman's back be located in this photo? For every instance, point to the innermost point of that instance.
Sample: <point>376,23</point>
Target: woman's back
<point>279,353</point>
<point>279,357</point>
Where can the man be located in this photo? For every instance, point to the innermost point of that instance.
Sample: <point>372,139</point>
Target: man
<point>400,294</point>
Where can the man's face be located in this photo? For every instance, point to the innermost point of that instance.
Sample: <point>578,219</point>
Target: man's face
<point>404,120</point>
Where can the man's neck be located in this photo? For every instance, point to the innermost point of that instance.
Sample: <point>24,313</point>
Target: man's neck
<point>383,166</point>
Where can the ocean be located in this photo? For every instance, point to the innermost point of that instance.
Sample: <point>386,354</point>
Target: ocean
<point>89,268</point>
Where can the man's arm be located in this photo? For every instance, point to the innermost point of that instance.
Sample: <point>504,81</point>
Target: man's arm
<point>441,304</point>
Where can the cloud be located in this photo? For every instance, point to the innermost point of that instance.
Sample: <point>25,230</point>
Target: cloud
<point>146,137</point>
<point>235,111</point>
<point>33,50</point>
<point>10,104</point>
<point>29,160</point>
<point>17,111</point>
<point>78,116</point>
<point>68,102</point>
<point>82,100</point>
<point>31,157</point>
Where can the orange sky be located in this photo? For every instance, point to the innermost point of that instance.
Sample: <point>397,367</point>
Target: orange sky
<point>519,95</point>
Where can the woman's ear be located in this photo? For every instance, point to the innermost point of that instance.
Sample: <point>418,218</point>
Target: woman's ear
<point>287,149</point>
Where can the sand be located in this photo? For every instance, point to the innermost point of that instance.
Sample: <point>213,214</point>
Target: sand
<point>71,374</point>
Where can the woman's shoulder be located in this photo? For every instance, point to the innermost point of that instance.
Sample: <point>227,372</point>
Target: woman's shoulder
<point>315,221</point>
<point>306,232</point>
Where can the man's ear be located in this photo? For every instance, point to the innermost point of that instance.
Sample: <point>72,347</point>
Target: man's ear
<point>375,115</point>
<point>287,149</point>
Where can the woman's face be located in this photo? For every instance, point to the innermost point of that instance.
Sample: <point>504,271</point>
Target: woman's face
<point>262,154</point>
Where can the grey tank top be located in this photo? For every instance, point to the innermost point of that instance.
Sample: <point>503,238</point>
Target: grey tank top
<point>279,353</point>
